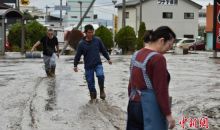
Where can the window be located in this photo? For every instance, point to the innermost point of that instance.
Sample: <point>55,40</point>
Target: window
<point>73,16</point>
<point>188,41</point>
<point>167,2</point>
<point>188,15</point>
<point>188,36</point>
<point>127,15</point>
<point>202,15</point>
<point>95,16</point>
<point>167,15</point>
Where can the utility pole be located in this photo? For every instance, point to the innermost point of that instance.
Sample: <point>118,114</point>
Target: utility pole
<point>61,15</point>
<point>80,22</point>
<point>80,4</point>
<point>18,5</point>
<point>123,14</point>
<point>46,18</point>
<point>140,11</point>
<point>113,26</point>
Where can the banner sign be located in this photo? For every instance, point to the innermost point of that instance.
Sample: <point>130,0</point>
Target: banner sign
<point>217,25</point>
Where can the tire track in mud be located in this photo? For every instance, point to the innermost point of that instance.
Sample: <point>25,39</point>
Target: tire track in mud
<point>32,110</point>
<point>101,115</point>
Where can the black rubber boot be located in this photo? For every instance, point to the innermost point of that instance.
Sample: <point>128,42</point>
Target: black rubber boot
<point>101,87</point>
<point>48,72</point>
<point>93,95</point>
<point>102,93</point>
<point>52,72</point>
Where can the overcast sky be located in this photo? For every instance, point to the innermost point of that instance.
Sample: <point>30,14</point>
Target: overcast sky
<point>105,11</point>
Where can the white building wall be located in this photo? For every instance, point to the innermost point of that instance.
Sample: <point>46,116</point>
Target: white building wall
<point>153,17</point>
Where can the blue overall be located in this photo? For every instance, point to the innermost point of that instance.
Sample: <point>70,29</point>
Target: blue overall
<point>153,118</point>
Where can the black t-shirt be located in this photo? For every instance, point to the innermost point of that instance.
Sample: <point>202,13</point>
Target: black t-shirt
<point>49,45</point>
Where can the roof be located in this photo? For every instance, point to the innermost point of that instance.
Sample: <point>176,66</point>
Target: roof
<point>9,13</point>
<point>132,3</point>
<point>4,6</point>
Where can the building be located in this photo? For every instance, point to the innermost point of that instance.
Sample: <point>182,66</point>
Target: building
<point>202,18</point>
<point>4,6</point>
<point>209,27</point>
<point>35,12</point>
<point>77,10</point>
<point>180,15</point>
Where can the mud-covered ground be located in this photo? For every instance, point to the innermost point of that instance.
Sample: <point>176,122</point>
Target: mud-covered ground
<point>31,101</point>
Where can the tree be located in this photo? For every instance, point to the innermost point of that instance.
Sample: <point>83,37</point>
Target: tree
<point>34,31</point>
<point>28,16</point>
<point>106,35</point>
<point>126,39</point>
<point>14,36</point>
<point>141,33</point>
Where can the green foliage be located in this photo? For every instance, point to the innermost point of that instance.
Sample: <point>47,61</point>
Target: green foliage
<point>28,16</point>
<point>141,32</point>
<point>34,31</point>
<point>106,35</point>
<point>14,36</point>
<point>126,39</point>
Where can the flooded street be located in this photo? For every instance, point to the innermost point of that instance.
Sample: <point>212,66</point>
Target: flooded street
<point>31,101</point>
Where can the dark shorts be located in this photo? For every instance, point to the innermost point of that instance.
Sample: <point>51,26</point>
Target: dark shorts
<point>135,116</point>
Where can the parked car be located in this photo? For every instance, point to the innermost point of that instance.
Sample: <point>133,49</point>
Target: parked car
<point>198,45</point>
<point>7,46</point>
<point>184,42</point>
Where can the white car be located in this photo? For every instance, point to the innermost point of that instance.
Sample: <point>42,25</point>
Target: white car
<point>184,42</point>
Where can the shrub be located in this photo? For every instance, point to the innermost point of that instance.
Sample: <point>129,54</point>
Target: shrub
<point>141,33</point>
<point>106,35</point>
<point>34,31</point>
<point>126,39</point>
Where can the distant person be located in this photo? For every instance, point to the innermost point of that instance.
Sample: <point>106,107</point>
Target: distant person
<point>90,47</point>
<point>50,47</point>
<point>149,105</point>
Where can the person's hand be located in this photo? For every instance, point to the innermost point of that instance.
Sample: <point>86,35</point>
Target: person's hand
<point>75,69</point>
<point>110,62</point>
<point>171,121</point>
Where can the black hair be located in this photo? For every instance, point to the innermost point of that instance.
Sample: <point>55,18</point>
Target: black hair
<point>88,27</point>
<point>50,30</point>
<point>161,32</point>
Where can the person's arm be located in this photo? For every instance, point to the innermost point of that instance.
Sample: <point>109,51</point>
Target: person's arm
<point>57,47</point>
<point>160,84</point>
<point>77,56</point>
<point>35,45</point>
<point>104,51</point>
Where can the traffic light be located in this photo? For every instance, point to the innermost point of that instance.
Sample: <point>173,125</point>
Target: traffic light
<point>24,2</point>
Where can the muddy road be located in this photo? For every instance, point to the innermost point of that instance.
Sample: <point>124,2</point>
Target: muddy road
<point>31,101</point>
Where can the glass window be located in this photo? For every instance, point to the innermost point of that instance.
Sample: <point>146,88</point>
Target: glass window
<point>189,41</point>
<point>127,14</point>
<point>188,15</point>
<point>167,15</point>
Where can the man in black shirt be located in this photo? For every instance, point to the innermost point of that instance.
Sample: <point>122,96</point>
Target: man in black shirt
<point>50,46</point>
